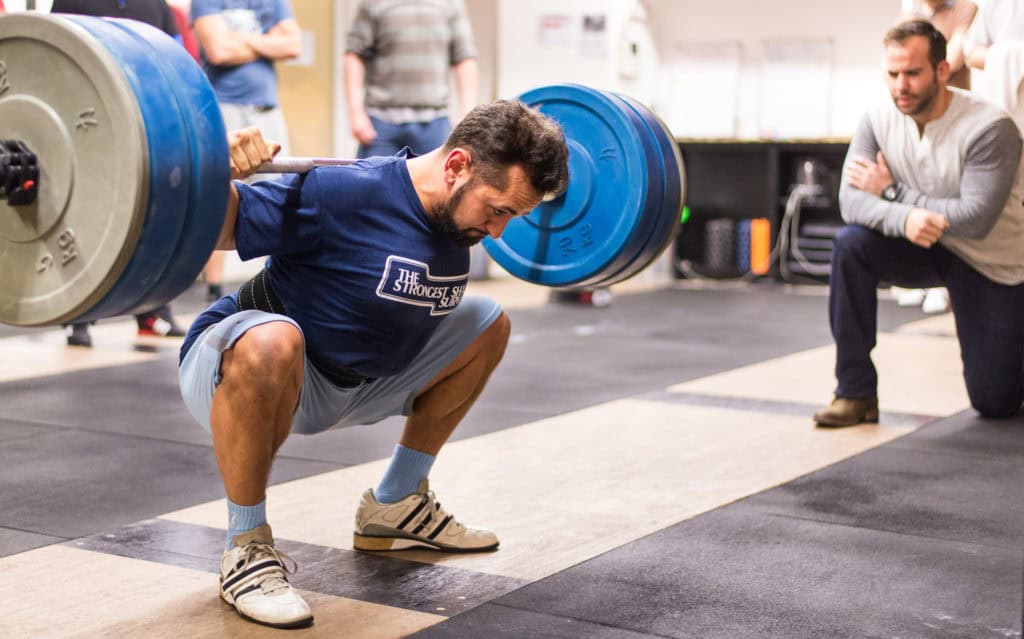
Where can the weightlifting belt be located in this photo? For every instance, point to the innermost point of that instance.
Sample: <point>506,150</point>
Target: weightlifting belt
<point>257,294</point>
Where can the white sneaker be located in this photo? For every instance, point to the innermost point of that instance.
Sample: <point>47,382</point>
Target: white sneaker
<point>254,579</point>
<point>936,300</point>
<point>907,296</point>
<point>418,521</point>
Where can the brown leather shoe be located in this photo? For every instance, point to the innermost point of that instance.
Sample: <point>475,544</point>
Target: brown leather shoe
<point>848,412</point>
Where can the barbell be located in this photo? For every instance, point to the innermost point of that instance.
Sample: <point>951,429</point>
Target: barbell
<point>114,176</point>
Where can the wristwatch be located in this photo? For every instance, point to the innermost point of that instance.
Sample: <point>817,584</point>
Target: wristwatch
<point>890,192</point>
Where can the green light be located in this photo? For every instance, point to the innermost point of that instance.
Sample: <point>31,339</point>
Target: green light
<point>685,215</point>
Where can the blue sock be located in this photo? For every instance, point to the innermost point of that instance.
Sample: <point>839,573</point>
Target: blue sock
<point>244,518</point>
<point>403,475</point>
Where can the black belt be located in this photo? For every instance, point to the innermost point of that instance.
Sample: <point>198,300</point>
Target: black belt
<point>257,294</point>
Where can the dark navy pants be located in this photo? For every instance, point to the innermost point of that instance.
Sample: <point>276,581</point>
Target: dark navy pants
<point>421,137</point>
<point>989,316</point>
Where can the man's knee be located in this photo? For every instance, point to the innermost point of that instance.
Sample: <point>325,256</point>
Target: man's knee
<point>852,239</point>
<point>269,350</point>
<point>993,402</point>
<point>994,407</point>
<point>500,330</point>
<point>497,334</point>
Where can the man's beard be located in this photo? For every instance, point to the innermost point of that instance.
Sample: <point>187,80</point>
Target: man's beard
<point>923,103</point>
<point>444,213</point>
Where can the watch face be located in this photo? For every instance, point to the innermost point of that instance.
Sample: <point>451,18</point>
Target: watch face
<point>889,192</point>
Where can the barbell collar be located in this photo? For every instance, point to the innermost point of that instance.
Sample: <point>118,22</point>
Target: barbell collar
<point>19,173</point>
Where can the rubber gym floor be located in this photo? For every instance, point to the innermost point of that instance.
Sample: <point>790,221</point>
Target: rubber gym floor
<point>650,467</point>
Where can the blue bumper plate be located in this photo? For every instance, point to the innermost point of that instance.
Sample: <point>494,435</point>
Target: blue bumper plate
<point>597,225</point>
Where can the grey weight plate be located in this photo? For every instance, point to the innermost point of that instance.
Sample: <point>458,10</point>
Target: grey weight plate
<point>66,97</point>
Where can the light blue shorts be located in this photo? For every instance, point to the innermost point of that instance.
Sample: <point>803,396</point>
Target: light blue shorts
<point>322,405</point>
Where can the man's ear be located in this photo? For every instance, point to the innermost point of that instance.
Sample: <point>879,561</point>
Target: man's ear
<point>456,165</point>
<point>942,71</point>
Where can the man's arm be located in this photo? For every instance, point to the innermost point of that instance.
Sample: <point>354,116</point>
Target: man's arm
<point>963,15</point>
<point>360,44</point>
<point>467,82</point>
<point>462,56</point>
<point>226,239</point>
<point>990,169</point>
<point>862,207</point>
<point>355,95</point>
<point>221,46</point>
<point>247,151</point>
<point>283,41</point>
<point>976,42</point>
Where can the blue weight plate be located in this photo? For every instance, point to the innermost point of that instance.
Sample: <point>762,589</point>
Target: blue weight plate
<point>666,221</point>
<point>593,224</point>
<point>208,148</point>
<point>169,169</point>
<point>647,223</point>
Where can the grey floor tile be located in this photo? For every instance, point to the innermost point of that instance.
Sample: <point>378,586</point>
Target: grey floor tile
<point>495,621</point>
<point>738,572</point>
<point>15,541</point>
<point>139,399</point>
<point>13,429</point>
<point>73,483</point>
<point>969,434</point>
<point>914,492</point>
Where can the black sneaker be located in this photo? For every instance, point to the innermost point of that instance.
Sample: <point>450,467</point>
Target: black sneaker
<point>78,335</point>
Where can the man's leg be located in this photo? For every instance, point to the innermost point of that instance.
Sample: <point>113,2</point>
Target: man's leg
<point>861,260</point>
<point>438,409</point>
<point>251,414</point>
<point>424,137</point>
<point>990,326</point>
<point>387,143</point>
<point>248,371</point>
<point>445,381</point>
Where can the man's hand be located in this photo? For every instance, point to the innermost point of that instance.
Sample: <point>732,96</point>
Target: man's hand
<point>248,151</point>
<point>868,176</point>
<point>362,128</point>
<point>924,227</point>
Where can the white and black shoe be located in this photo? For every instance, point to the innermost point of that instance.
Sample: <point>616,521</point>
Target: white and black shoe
<point>254,579</point>
<point>418,521</point>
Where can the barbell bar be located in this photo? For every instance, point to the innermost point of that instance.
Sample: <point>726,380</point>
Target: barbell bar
<point>118,195</point>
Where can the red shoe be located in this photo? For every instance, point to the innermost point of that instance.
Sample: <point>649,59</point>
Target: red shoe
<point>151,324</point>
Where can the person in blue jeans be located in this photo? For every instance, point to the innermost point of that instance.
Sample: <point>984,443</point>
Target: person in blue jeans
<point>240,41</point>
<point>398,58</point>
<point>932,196</point>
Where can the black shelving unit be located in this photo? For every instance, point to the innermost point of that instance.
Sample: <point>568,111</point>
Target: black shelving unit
<point>739,180</point>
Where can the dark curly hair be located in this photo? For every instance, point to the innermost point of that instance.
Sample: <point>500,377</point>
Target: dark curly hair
<point>507,133</point>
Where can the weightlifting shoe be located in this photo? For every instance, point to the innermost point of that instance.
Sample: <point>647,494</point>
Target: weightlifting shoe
<point>254,579</point>
<point>418,521</point>
<point>848,412</point>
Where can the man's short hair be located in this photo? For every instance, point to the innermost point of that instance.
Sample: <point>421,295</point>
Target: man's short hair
<point>505,133</point>
<point>905,30</point>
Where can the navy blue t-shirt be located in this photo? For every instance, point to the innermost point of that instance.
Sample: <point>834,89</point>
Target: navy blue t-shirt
<point>354,258</point>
